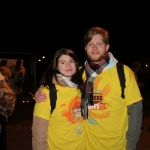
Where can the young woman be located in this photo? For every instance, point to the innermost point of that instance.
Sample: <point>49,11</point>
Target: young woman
<point>64,127</point>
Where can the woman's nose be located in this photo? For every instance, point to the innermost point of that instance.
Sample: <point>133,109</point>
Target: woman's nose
<point>68,64</point>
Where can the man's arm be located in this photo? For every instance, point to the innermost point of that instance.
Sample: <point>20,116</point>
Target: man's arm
<point>134,125</point>
<point>40,96</point>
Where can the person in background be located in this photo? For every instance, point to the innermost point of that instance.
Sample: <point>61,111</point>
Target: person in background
<point>62,129</point>
<point>19,68</point>
<point>3,140</point>
<point>19,77</point>
<point>5,70</point>
<point>111,122</point>
<point>136,67</point>
<point>7,104</point>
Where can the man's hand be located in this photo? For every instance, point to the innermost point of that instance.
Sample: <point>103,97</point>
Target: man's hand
<point>40,96</point>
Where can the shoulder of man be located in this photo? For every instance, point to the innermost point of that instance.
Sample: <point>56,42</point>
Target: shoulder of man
<point>127,69</point>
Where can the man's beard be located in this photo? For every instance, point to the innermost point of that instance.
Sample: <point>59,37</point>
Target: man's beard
<point>96,59</point>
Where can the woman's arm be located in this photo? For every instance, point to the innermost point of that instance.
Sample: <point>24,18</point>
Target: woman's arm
<point>39,133</point>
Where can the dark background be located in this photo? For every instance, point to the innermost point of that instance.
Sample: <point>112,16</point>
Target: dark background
<point>42,27</point>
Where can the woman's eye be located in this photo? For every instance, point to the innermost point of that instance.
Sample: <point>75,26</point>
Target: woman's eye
<point>62,62</point>
<point>72,61</point>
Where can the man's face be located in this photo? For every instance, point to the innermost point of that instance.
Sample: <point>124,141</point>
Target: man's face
<point>96,48</point>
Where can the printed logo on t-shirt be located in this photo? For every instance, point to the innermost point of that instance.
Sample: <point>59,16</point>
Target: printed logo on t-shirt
<point>73,112</point>
<point>99,104</point>
<point>98,100</point>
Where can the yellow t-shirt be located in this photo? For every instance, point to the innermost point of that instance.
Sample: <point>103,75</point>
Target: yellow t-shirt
<point>107,121</point>
<point>66,126</point>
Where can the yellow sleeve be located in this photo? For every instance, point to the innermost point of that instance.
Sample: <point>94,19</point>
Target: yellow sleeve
<point>132,92</point>
<point>43,109</point>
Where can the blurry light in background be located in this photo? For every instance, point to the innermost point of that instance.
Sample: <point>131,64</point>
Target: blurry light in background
<point>146,65</point>
<point>39,59</point>
<point>43,57</point>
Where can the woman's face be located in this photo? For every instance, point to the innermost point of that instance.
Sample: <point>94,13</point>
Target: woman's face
<point>66,66</point>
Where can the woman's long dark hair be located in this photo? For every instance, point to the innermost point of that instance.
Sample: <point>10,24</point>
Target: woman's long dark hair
<point>51,71</point>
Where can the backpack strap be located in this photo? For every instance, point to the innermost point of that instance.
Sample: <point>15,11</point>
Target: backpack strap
<point>81,70</point>
<point>53,97</point>
<point>120,70</point>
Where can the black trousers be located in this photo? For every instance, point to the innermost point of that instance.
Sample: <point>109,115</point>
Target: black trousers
<point>3,140</point>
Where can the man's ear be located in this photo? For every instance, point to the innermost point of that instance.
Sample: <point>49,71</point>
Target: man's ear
<point>107,47</point>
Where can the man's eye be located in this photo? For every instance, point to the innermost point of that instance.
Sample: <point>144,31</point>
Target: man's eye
<point>90,44</point>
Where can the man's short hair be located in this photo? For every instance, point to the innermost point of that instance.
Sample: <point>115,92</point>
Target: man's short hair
<point>88,35</point>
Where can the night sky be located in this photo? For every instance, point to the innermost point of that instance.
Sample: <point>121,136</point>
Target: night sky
<point>44,27</point>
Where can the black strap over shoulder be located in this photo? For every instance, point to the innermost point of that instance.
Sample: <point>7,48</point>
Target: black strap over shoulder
<point>122,79</point>
<point>53,97</point>
<point>81,70</point>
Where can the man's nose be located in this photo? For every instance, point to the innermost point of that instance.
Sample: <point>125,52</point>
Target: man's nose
<point>94,46</point>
